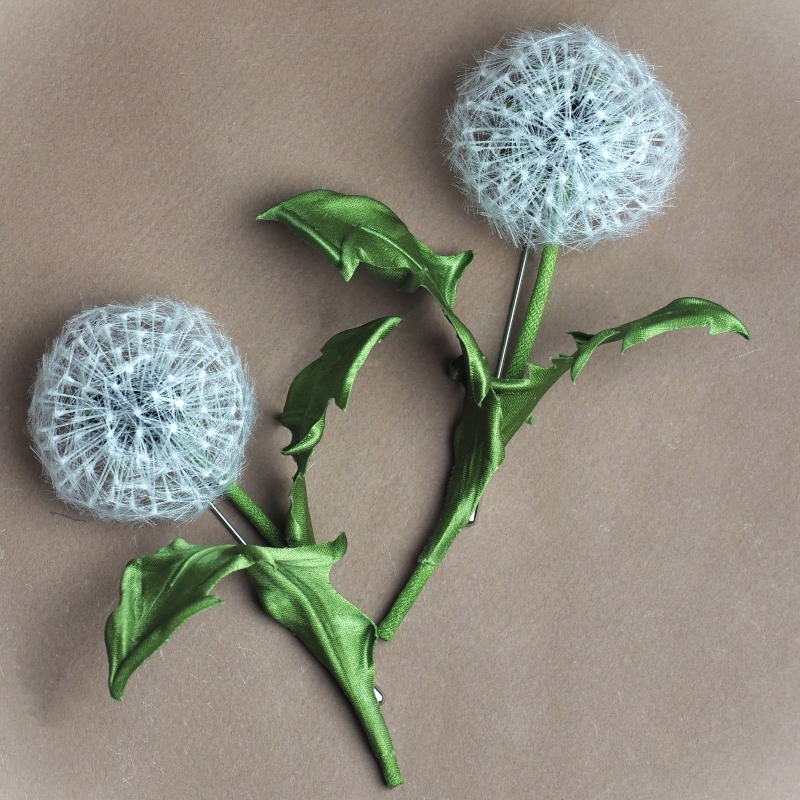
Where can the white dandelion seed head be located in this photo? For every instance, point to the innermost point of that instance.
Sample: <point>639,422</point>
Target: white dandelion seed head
<point>560,138</point>
<point>142,412</point>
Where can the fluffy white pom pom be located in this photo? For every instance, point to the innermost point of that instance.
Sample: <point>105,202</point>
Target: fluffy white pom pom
<point>560,138</point>
<point>142,412</point>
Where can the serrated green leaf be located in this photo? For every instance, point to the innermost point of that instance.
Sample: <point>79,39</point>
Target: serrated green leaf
<point>479,446</point>
<point>330,377</point>
<point>685,312</point>
<point>352,230</point>
<point>294,587</point>
<point>518,398</point>
<point>478,451</point>
<point>158,593</point>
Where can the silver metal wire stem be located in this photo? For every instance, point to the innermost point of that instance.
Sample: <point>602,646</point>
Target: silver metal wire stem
<point>512,312</point>
<point>224,520</point>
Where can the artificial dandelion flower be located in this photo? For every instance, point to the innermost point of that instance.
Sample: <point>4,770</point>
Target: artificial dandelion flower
<point>562,139</point>
<point>142,412</point>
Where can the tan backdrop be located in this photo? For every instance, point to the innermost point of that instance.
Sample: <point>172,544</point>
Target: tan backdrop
<point>624,622</point>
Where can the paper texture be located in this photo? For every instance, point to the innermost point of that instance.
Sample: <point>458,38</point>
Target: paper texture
<point>634,631</point>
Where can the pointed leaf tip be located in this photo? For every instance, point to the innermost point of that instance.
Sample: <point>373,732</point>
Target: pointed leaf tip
<point>330,377</point>
<point>158,593</point>
<point>685,312</point>
<point>352,230</point>
<point>294,587</point>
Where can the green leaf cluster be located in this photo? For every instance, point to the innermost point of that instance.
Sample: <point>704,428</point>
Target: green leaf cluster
<point>352,230</point>
<point>160,592</point>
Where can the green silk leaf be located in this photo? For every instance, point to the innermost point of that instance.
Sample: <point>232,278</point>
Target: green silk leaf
<point>518,398</point>
<point>328,378</point>
<point>478,450</point>
<point>158,593</point>
<point>479,447</point>
<point>294,587</point>
<point>685,312</point>
<point>484,430</point>
<point>299,531</point>
<point>477,365</point>
<point>352,230</point>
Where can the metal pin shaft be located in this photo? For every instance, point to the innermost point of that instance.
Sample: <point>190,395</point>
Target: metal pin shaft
<point>224,520</point>
<point>512,312</point>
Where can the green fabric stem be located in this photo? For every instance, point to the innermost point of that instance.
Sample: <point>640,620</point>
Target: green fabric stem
<point>479,442</point>
<point>402,605</point>
<point>533,316</point>
<point>260,521</point>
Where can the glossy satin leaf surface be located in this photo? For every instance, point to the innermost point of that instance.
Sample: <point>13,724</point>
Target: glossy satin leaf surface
<point>352,230</point>
<point>160,592</point>
<point>330,377</point>
<point>297,592</point>
<point>685,312</point>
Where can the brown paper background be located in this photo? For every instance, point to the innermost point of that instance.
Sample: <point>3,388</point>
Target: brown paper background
<point>624,622</point>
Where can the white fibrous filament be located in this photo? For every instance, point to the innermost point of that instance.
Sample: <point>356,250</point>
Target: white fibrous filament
<point>142,412</point>
<point>561,138</point>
